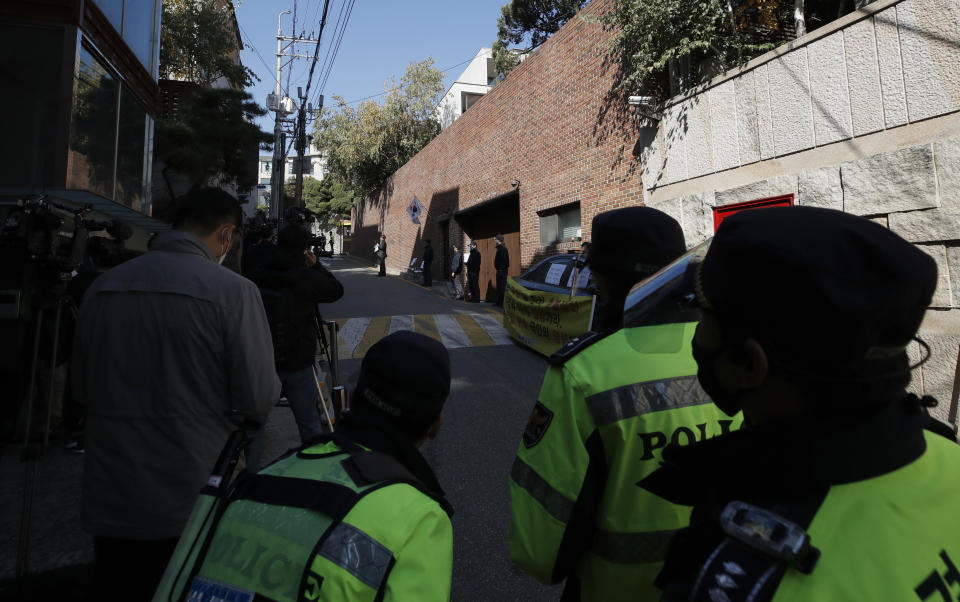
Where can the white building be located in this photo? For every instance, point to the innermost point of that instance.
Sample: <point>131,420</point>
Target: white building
<point>316,168</point>
<point>475,81</point>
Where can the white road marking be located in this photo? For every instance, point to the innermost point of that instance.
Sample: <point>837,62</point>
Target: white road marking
<point>451,334</point>
<point>490,325</point>
<point>400,323</point>
<point>351,334</point>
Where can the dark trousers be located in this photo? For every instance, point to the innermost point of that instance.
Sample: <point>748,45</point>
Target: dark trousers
<point>473,283</point>
<point>427,273</point>
<point>130,569</point>
<point>501,286</point>
<point>383,266</point>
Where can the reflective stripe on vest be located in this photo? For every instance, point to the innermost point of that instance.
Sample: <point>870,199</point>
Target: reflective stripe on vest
<point>357,553</point>
<point>632,548</point>
<point>633,400</point>
<point>554,502</point>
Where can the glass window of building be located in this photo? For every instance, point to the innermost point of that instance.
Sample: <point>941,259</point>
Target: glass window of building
<point>93,124</point>
<point>113,10</point>
<point>140,31</point>
<point>559,225</point>
<point>132,173</point>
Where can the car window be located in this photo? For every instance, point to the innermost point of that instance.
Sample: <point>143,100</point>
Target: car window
<point>539,272</point>
<point>666,296</point>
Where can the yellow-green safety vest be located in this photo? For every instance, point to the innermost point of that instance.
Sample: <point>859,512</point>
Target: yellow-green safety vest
<point>895,537</point>
<point>282,539</point>
<point>598,428</point>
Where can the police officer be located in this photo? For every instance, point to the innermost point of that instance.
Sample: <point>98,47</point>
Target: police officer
<point>610,401</point>
<point>835,489</point>
<point>356,515</point>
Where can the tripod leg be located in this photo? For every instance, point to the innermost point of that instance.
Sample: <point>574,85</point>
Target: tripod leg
<point>323,401</point>
<point>53,373</point>
<point>334,354</point>
<point>30,473</point>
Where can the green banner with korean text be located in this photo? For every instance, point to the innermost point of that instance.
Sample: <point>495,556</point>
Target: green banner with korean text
<point>545,321</point>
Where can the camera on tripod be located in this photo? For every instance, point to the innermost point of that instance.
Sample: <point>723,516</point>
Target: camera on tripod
<point>43,243</point>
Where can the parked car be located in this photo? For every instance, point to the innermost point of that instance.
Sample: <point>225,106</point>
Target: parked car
<point>553,275</point>
<point>668,296</point>
<point>539,308</point>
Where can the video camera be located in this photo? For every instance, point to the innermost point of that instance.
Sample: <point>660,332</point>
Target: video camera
<point>43,243</point>
<point>305,218</point>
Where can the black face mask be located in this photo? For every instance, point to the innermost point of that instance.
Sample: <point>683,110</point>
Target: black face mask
<point>728,401</point>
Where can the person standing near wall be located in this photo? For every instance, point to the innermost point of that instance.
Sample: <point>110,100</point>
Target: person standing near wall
<point>456,267</point>
<point>473,273</point>
<point>381,252</point>
<point>501,263</point>
<point>427,263</point>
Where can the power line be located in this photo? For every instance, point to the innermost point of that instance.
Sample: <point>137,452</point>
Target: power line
<point>336,50</point>
<point>293,47</point>
<point>398,87</point>
<point>257,52</point>
<point>324,68</point>
<point>316,47</point>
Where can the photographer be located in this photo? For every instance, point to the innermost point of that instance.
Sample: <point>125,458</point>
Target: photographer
<point>291,283</point>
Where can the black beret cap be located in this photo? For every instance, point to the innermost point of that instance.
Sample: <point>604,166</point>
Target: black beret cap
<point>406,375</point>
<point>634,240</point>
<point>818,287</point>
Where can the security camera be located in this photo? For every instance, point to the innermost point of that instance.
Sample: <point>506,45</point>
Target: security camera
<point>645,106</point>
<point>641,100</point>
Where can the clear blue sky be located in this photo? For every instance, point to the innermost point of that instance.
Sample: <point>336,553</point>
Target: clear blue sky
<point>381,38</point>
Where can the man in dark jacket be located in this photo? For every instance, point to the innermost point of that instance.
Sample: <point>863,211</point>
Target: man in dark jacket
<point>381,254</point>
<point>261,249</point>
<point>292,282</point>
<point>456,267</point>
<point>473,273</point>
<point>427,263</point>
<point>501,262</point>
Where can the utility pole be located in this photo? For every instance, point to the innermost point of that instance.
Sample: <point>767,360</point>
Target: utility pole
<point>300,142</point>
<point>284,106</point>
<point>276,177</point>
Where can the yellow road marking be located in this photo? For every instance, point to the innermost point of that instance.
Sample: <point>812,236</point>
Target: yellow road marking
<point>378,328</point>
<point>424,324</point>
<point>477,335</point>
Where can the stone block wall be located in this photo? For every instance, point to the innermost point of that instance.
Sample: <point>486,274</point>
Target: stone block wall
<point>914,191</point>
<point>892,64</point>
<point>550,125</point>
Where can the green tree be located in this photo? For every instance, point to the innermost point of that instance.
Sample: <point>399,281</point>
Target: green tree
<point>529,23</point>
<point>211,135</point>
<point>328,198</point>
<point>719,34</point>
<point>198,42</point>
<point>366,144</point>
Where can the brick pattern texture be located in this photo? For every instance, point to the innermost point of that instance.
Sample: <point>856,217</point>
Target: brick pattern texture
<point>555,124</point>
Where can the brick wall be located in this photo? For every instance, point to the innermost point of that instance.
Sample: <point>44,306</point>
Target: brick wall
<point>554,124</point>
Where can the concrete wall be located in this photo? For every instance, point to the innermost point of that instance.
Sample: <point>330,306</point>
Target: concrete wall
<point>472,80</point>
<point>859,116</point>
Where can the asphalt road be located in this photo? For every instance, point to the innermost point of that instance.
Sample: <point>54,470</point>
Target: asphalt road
<point>493,389</point>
